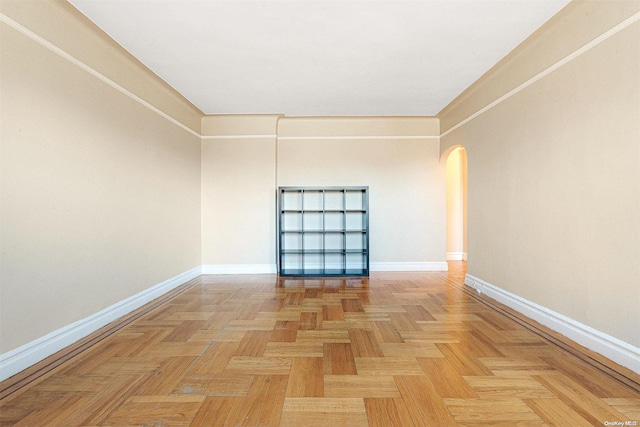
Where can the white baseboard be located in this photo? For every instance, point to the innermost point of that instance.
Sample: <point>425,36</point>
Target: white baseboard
<point>239,269</point>
<point>612,348</point>
<point>272,269</point>
<point>409,266</point>
<point>456,256</point>
<point>33,352</point>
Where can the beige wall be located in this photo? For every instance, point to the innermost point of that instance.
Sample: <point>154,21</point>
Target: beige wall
<point>238,190</point>
<point>245,159</point>
<point>398,158</point>
<point>100,196</point>
<point>554,170</point>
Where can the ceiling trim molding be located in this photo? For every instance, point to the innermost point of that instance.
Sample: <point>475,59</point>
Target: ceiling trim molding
<point>350,137</point>
<point>239,136</point>
<point>75,61</point>
<point>347,137</point>
<point>575,54</point>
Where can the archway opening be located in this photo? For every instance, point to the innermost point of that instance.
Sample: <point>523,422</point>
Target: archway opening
<point>457,205</point>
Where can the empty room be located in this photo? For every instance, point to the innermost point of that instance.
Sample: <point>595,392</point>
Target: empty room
<point>319,213</point>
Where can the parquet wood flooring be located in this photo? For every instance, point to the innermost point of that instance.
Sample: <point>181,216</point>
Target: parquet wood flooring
<point>395,349</point>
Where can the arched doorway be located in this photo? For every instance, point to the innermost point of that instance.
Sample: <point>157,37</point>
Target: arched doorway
<point>457,204</point>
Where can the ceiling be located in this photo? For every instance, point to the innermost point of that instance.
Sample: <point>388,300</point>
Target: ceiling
<point>319,58</point>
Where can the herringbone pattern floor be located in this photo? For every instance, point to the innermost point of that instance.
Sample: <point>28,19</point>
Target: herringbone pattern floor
<point>402,349</point>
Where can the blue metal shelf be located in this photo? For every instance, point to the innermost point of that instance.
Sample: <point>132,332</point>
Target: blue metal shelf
<point>326,231</point>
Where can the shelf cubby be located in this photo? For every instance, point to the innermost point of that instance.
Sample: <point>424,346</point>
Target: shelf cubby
<point>323,231</point>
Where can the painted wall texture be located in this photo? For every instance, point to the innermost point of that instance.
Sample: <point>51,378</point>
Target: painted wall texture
<point>100,196</point>
<point>554,169</point>
<point>398,158</point>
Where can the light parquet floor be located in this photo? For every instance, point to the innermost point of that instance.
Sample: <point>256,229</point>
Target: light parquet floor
<point>401,349</point>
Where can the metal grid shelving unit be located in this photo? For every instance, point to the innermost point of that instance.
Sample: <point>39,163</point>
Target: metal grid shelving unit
<point>323,231</point>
